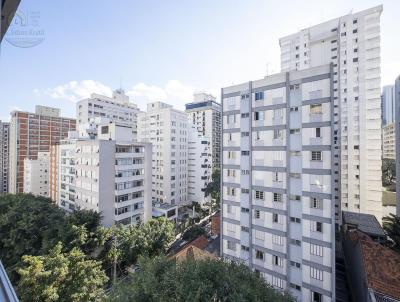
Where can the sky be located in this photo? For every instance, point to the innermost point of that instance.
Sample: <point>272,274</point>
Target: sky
<point>161,50</point>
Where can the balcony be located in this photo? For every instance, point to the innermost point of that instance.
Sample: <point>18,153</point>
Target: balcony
<point>316,117</point>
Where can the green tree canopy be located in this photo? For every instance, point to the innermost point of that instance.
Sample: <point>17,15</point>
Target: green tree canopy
<point>391,224</point>
<point>161,279</point>
<point>32,225</point>
<point>193,232</point>
<point>61,277</point>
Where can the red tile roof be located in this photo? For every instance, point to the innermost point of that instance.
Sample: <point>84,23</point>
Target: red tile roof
<point>381,265</point>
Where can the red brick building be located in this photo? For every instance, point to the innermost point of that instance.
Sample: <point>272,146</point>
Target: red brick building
<point>31,133</point>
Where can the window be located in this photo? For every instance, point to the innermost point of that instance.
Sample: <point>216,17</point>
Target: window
<point>317,132</point>
<point>104,129</point>
<point>295,264</point>
<point>259,96</point>
<point>259,195</point>
<point>231,154</point>
<point>278,134</point>
<point>257,214</point>
<point>259,115</point>
<point>293,109</point>
<point>244,248</point>
<point>231,118</point>
<point>277,282</point>
<point>316,250</point>
<point>354,31</point>
<point>245,191</point>
<point>231,246</point>
<point>295,242</point>
<point>245,153</point>
<point>316,297</point>
<point>316,108</point>
<point>244,134</point>
<point>275,176</point>
<point>276,239</point>
<point>277,197</point>
<point>231,191</point>
<point>258,135</point>
<point>294,131</point>
<point>259,255</point>
<point>244,210</point>
<point>277,261</point>
<point>295,219</point>
<point>295,286</point>
<point>316,155</point>
<point>278,113</point>
<point>244,115</point>
<point>244,96</point>
<point>245,229</point>
<point>275,218</point>
<point>231,173</point>
<point>316,226</point>
<point>259,235</point>
<point>315,203</point>
<point>355,59</point>
<point>316,274</point>
<point>245,172</point>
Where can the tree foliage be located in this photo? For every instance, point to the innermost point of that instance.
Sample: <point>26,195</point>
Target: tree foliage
<point>32,225</point>
<point>193,232</point>
<point>391,224</point>
<point>61,277</point>
<point>388,171</point>
<point>214,188</point>
<point>161,279</point>
<point>127,243</point>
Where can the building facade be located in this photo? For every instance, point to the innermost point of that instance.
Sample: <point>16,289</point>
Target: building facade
<point>205,114</point>
<point>199,166</point>
<point>4,156</point>
<point>389,141</point>
<point>278,213</point>
<point>106,175</point>
<point>352,44</point>
<point>397,130</point>
<point>37,175</point>
<point>167,129</point>
<point>388,105</point>
<point>118,108</point>
<point>31,133</point>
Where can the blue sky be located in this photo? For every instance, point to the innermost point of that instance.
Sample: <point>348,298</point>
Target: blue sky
<point>163,50</point>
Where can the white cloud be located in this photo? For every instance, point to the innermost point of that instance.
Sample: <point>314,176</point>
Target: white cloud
<point>173,92</point>
<point>75,90</point>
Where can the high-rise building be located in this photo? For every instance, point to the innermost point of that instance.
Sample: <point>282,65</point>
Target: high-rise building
<point>199,166</point>
<point>278,214</point>
<point>118,108</point>
<point>54,157</point>
<point>36,175</point>
<point>387,99</point>
<point>107,172</point>
<point>31,133</point>
<point>389,141</point>
<point>205,114</point>
<point>352,44</point>
<point>167,129</point>
<point>397,129</point>
<point>4,156</point>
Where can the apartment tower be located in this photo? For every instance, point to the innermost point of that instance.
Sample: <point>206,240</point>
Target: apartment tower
<point>352,44</point>
<point>31,133</point>
<point>277,179</point>
<point>205,114</point>
<point>4,156</point>
<point>36,175</point>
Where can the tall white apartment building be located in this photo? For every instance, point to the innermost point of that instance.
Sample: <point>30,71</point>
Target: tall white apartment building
<point>118,108</point>
<point>352,44</point>
<point>278,213</point>
<point>106,172</point>
<point>36,175</point>
<point>205,114</point>
<point>4,155</point>
<point>199,166</point>
<point>167,129</point>
<point>388,105</point>
<point>389,141</point>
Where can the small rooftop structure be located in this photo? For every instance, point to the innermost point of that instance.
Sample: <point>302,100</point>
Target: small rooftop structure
<point>366,223</point>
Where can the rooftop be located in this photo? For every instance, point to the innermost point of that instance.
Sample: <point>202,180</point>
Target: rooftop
<point>381,266</point>
<point>366,223</point>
